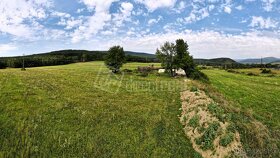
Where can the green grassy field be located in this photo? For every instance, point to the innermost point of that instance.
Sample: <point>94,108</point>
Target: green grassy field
<point>80,110</point>
<point>256,95</point>
<point>259,94</point>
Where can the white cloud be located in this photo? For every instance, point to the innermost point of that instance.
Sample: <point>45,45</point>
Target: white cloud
<point>73,23</point>
<point>80,10</point>
<point>54,34</point>
<point>227,9</point>
<point>124,15</point>
<point>240,7</point>
<point>268,5</point>
<point>7,47</point>
<point>61,14</point>
<point>263,23</point>
<point>197,15</point>
<point>154,21</point>
<point>14,14</point>
<point>155,4</point>
<point>126,8</point>
<point>107,32</point>
<point>202,9</point>
<point>206,44</point>
<point>96,22</point>
<point>182,5</point>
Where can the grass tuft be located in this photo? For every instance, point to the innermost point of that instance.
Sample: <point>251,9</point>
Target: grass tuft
<point>226,139</point>
<point>194,121</point>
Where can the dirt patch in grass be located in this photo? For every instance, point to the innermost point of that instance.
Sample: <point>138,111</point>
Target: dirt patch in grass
<point>209,135</point>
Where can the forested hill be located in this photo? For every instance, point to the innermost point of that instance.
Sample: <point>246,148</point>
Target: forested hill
<point>215,61</point>
<point>68,56</point>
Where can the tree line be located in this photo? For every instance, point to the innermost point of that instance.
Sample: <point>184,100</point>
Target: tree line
<point>61,58</point>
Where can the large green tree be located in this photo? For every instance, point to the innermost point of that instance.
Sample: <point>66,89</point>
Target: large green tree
<point>183,59</point>
<point>166,55</point>
<point>115,58</point>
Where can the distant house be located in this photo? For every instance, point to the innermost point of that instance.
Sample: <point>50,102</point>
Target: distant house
<point>161,70</point>
<point>179,72</point>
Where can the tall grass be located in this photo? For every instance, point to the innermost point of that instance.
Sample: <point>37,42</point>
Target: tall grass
<point>81,110</point>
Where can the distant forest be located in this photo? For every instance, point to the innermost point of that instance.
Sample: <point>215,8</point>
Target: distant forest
<point>67,57</point>
<point>63,57</point>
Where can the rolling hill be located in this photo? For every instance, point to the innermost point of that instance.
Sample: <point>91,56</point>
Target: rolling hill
<point>258,61</point>
<point>215,61</point>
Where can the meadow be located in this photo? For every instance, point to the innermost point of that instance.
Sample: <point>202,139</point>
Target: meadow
<point>82,110</point>
<point>258,94</point>
<point>257,97</point>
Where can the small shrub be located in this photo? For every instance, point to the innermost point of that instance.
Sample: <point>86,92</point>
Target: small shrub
<point>233,71</point>
<point>200,129</point>
<point>197,155</point>
<point>185,118</point>
<point>216,111</point>
<point>266,71</point>
<point>127,70</point>
<point>194,121</point>
<point>227,139</point>
<point>198,75</point>
<point>203,68</point>
<point>209,136</point>
<point>231,128</point>
<point>198,141</point>
<point>194,89</point>
<point>252,74</point>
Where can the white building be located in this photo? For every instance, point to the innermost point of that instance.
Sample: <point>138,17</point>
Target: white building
<point>177,72</point>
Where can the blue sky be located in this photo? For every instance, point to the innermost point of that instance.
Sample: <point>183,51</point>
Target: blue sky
<point>212,28</point>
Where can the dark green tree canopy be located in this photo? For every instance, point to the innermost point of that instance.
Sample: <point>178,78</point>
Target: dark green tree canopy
<point>115,58</point>
<point>166,55</point>
<point>183,59</point>
<point>177,56</point>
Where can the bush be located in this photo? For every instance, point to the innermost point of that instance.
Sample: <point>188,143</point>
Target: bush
<point>216,111</point>
<point>198,75</point>
<point>266,71</point>
<point>233,71</point>
<point>227,139</point>
<point>194,89</point>
<point>208,137</point>
<point>127,71</point>
<point>252,74</point>
<point>194,121</point>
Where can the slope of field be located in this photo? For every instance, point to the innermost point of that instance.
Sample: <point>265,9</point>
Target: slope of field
<point>258,95</point>
<point>80,110</point>
<point>258,71</point>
